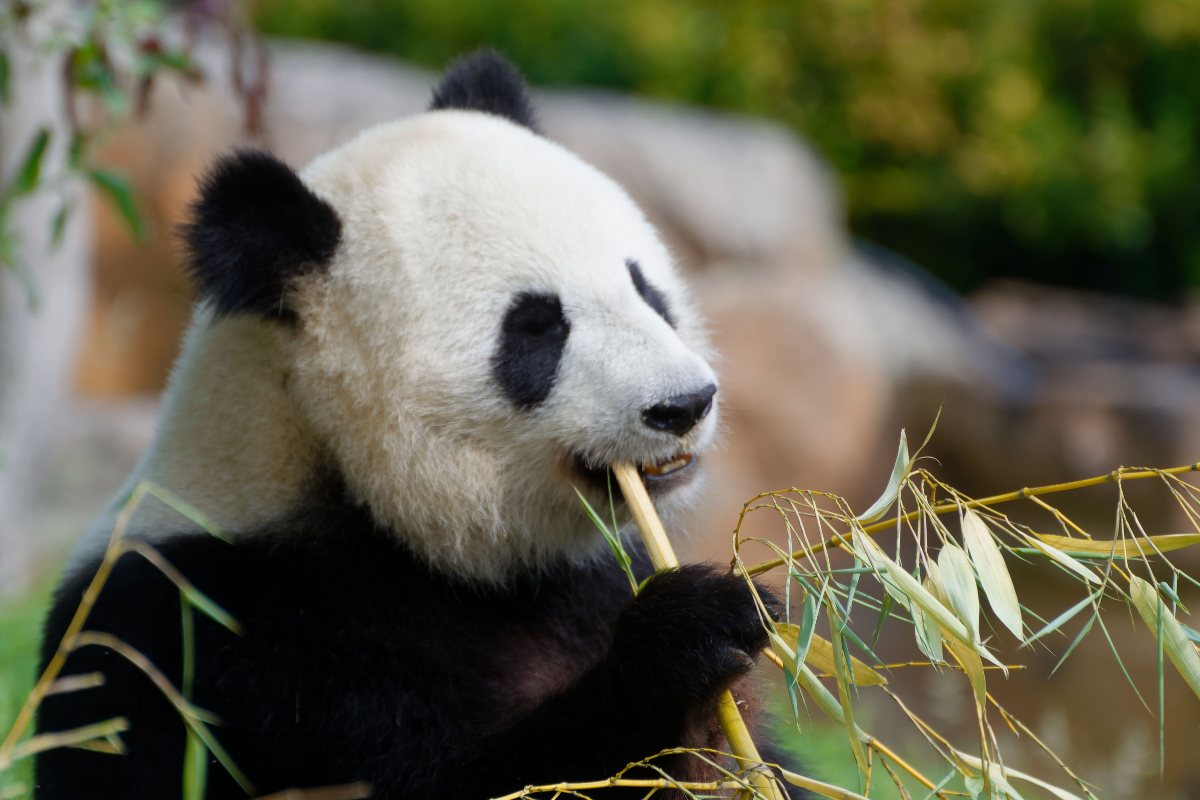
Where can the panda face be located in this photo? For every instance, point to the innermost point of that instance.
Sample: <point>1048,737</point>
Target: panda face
<point>461,319</point>
<point>498,324</point>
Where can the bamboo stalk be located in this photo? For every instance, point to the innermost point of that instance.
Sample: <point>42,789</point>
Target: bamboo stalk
<point>942,508</point>
<point>662,555</point>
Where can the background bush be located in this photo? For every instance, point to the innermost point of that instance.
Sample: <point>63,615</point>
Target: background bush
<point>1050,140</point>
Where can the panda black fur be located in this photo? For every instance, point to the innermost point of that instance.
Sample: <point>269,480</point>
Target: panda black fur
<point>425,607</point>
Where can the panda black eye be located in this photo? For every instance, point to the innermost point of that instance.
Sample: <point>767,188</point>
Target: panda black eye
<point>532,337</point>
<point>653,297</point>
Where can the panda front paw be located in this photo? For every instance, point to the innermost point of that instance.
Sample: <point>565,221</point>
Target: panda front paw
<point>689,634</point>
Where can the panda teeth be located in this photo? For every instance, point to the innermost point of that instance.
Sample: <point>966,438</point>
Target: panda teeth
<point>665,468</point>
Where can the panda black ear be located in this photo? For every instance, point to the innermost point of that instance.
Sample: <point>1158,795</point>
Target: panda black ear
<point>486,81</point>
<point>255,227</point>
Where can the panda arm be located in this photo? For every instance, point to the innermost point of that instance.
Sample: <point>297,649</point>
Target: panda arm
<point>676,647</point>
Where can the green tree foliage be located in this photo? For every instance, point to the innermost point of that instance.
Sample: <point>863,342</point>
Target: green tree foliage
<point>1053,140</point>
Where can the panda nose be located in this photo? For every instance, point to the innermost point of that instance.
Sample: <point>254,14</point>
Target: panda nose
<point>681,413</point>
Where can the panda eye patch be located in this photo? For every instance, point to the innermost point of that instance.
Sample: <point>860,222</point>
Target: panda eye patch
<point>653,297</point>
<point>533,334</point>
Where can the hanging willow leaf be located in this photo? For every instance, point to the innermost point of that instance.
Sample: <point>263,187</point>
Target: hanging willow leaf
<point>958,581</point>
<point>1179,648</point>
<point>885,501</point>
<point>993,574</point>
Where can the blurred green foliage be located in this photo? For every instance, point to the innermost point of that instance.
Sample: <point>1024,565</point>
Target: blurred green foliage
<point>1052,140</point>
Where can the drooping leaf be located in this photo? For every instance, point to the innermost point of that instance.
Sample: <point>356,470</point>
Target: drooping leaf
<point>817,787</point>
<point>993,574</point>
<point>928,631</point>
<point>1174,640</point>
<point>885,501</point>
<point>1064,559</point>
<point>958,580</point>
<point>1121,547</point>
<point>1012,773</point>
<point>841,672</point>
<point>4,95</point>
<point>906,585</point>
<point>59,225</point>
<point>973,667</point>
<point>119,192</point>
<point>1062,618</point>
<point>31,165</point>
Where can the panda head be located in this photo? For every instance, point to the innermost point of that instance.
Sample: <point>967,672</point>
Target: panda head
<point>471,322</point>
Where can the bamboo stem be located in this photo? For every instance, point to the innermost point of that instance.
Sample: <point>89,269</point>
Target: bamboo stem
<point>662,555</point>
<point>942,508</point>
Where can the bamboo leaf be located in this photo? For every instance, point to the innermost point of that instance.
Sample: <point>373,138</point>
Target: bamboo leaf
<point>1174,640</point>
<point>59,225</point>
<point>1061,619</point>
<point>808,623</point>
<point>1079,638</point>
<point>841,672</point>
<point>195,767</point>
<point>1064,559</point>
<point>958,581</point>
<point>823,789</point>
<point>819,653</point>
<point>31,166</point>
<point>993,574</point>
<point>120,193</point>
<point>973,666</point>
<point>885,501</point>
<point>1057,792</point>
<point>941,784</point>
<point>928,631</point>
<point>1121,547</point>
<point>613,540</point>
<point>920,597</point>
<point>817,691</point>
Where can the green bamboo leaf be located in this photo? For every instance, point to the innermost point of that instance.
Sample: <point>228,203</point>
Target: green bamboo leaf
<point>120,193</point>
<point>195,767</point>
<point>613,540</point>
<point>179,506</point>
<point>808,623</point>
<point>941,784</point>
<point>840,672</point>
<point>958,581</point>
<point>993,574</point>
<point>1062,618</point>
<point>883,614</point>
<point>4,73</point>
<point>59,225</point>
<point>885,501</point>
<point>1173,638</point>
<point>1078,639</point>
<point>31,166</point>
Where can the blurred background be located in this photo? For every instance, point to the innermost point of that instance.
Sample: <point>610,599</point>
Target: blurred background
<point>886,207</point>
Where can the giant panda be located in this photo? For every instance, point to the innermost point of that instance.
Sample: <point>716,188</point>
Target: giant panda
<point>404,361</point>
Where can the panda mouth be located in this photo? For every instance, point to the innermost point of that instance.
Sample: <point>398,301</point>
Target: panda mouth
<point>658,478</point>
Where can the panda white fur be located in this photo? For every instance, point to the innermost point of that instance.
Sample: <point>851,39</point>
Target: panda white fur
<point>404,360</point>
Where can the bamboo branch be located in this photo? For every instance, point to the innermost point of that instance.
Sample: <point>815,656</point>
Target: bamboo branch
<point>942,508</point>
<point>662,555</point>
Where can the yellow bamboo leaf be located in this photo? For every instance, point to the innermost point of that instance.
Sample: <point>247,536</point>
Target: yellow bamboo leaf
<point>823,789</point>
<point>969,660</point>
<point>1122,547</point>
<point>1175,641</point>
<point>820,655</point>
